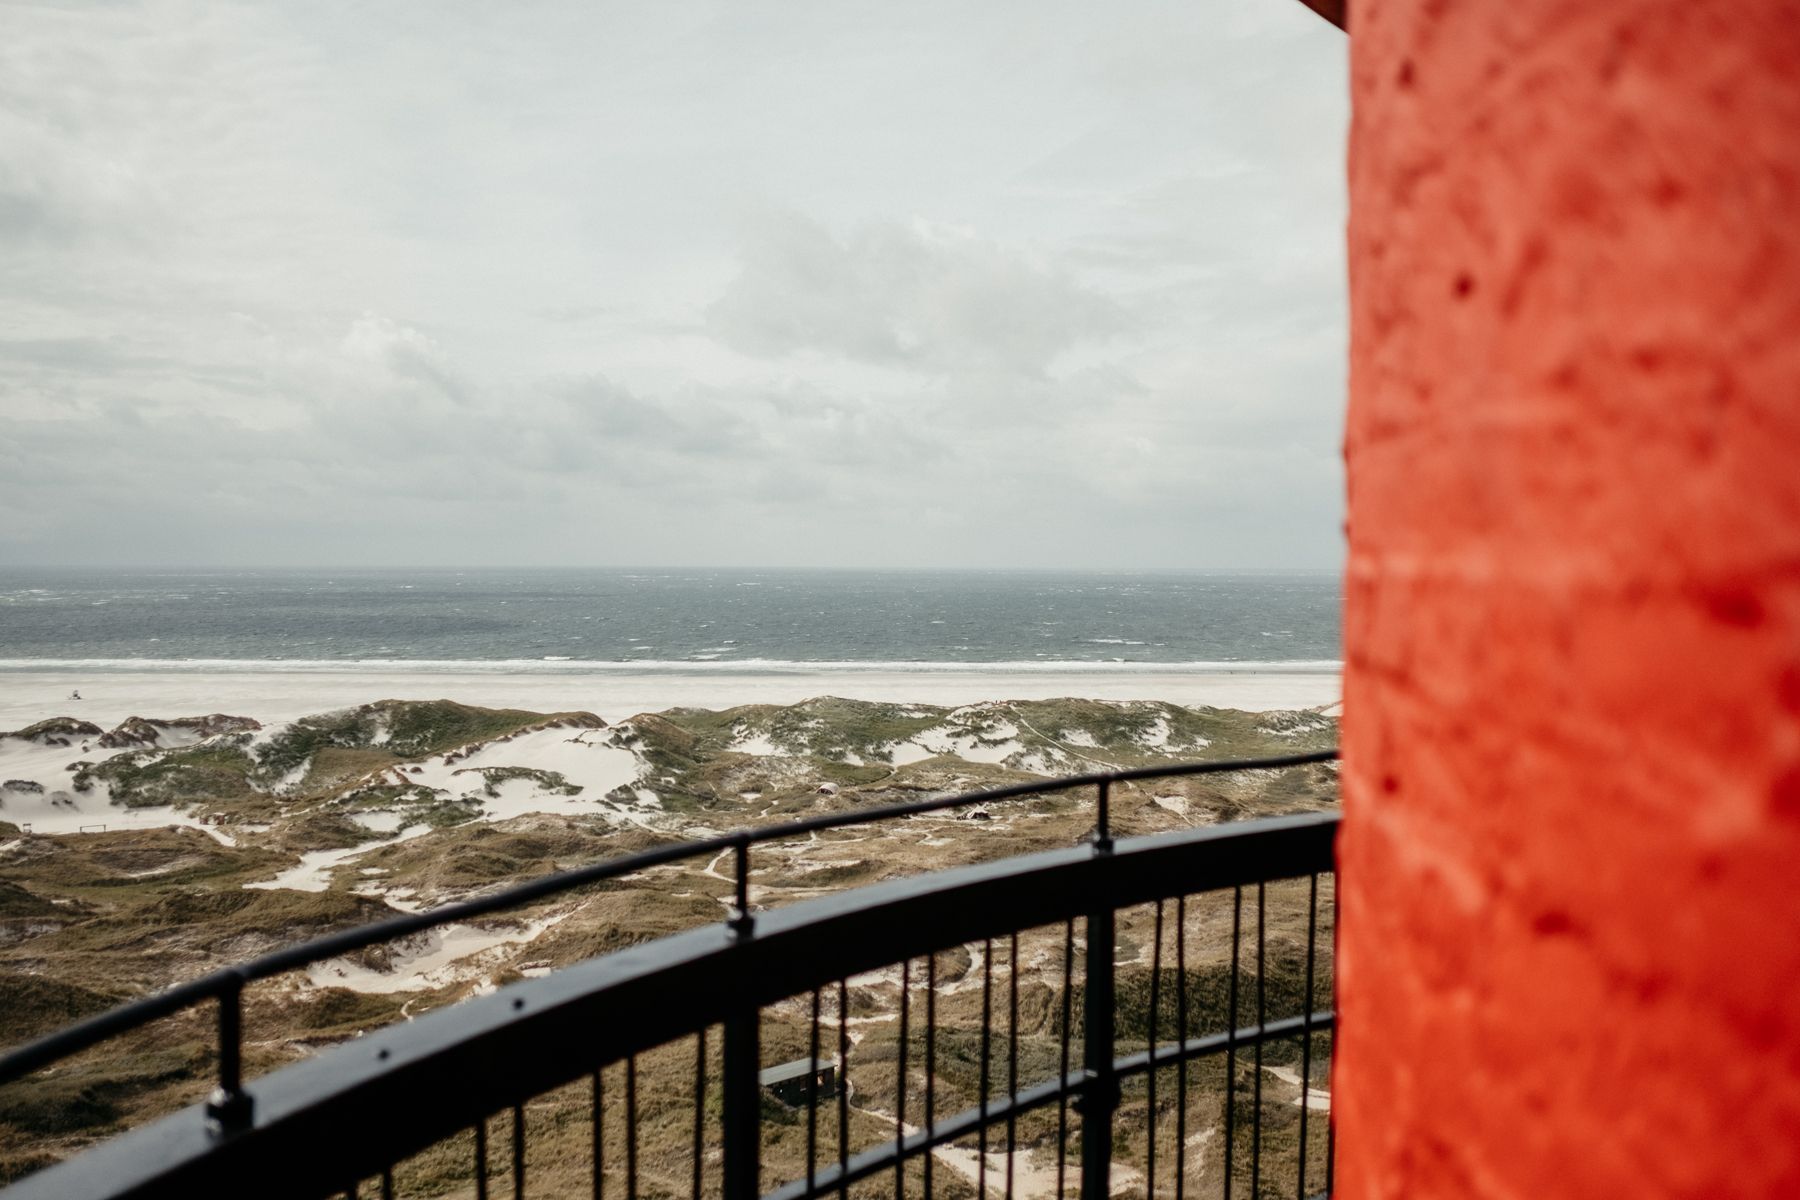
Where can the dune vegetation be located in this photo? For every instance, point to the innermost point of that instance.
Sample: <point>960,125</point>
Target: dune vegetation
<point>274,835</point>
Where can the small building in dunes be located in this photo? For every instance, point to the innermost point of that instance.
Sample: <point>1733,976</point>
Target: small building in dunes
<point>793,1083</point>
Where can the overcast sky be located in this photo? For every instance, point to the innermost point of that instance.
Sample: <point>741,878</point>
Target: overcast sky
<point>748,283</point>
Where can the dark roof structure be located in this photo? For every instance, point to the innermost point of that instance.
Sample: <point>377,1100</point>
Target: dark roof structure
<point>800,1068</point>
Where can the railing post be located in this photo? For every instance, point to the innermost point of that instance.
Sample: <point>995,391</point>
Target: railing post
<point>743,1107</point>
<point>1100,1088</point>
<point>743,923</point>
<point>229,1107</point>
<point>1103,841</point>
<point>742,1117</point>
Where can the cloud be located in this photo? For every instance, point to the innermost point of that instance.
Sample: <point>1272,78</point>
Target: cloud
<point>404,352</point>
<point>685,283</point>
<point>914,294</point>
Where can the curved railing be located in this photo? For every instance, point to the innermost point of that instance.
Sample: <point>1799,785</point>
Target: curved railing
<point>356,1112</point>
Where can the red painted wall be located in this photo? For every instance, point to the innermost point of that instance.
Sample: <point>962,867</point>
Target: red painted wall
<point>1570,931</point>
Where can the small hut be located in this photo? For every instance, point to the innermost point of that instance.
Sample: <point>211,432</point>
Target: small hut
<point>791,1082</point>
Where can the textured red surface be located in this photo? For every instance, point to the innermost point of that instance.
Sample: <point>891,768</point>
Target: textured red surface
<point>1570,938</point>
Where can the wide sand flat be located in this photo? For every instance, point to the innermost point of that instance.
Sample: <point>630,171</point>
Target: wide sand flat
<point>111,694</point>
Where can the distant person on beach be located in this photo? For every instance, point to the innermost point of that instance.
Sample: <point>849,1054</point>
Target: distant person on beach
<point>75,695</point>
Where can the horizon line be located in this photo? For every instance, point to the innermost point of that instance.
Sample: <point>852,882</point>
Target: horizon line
<point>641,567</point>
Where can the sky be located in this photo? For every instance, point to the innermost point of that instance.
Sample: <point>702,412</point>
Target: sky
<point>1008,284</point>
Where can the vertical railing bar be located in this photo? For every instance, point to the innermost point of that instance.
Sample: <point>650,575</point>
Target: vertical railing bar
<point>742,1102</point>
<point>1331,1117</point>
<point>843,1091</point>
<point>599,1140</point>
<point>742,1107</point>
<point>387,1183</point>
<point>1012,1060</point>
<point>230,1107</point>
<point>518,1151</point>
<point>481,1163</point>
<point>987,1025</point>
<point>1312,935</point>
<point>1237,922</point>
<point>1181,1034</point>
<point>1062,1099</point>
<point>930,1061</point>
<point>742,923</point>
<point>812,1102</point>
<point>1150,1073</point>
<point>231,1041</point>
<point>631,1141</point>
<point>900,1087</point>
<point>1099,1086</point>
<point>699,1107</point>
<point>1257,1050</point>
<point>1103,817</point>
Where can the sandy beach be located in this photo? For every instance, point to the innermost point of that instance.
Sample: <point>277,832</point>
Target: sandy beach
<point>113,692</point>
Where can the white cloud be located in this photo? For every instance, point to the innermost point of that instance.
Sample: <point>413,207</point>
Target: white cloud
<point>905,293</point>
<point>677,283</point>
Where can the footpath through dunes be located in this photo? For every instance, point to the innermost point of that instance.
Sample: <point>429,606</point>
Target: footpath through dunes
<point>224,838</point>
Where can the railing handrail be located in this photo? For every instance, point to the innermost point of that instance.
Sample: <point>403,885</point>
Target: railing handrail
<point>227,983</point>
<point>357,1107</point>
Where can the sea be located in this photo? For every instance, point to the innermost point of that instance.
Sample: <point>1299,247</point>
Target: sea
<point>680,619</point>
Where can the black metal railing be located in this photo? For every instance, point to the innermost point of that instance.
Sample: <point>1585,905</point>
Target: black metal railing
<point>1084,1058</point>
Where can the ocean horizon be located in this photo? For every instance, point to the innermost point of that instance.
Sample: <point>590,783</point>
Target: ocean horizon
<point>556,621</point>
